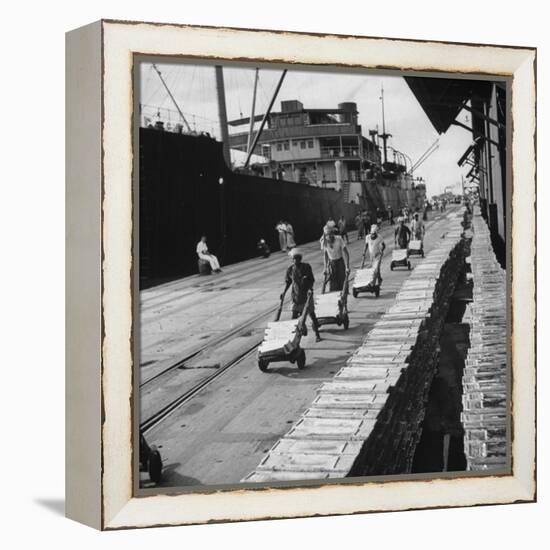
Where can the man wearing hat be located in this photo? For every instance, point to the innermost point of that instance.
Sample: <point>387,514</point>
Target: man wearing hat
<point>375,246</point>
<point>300,276</point>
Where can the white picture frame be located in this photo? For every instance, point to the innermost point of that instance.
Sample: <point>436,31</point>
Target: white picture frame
<point>100,484</point>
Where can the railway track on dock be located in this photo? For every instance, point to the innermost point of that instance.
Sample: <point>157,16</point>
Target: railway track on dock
<point>207,347</point>
<point>163,387</point>
<point>175,404</point>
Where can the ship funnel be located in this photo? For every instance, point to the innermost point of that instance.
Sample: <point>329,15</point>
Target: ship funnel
<point>350,112</point>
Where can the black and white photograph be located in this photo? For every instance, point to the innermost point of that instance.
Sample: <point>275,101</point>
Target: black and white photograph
<point>275,275</point>
<point>320,273</point>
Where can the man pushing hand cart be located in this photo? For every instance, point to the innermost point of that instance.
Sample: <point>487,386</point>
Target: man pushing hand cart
<point>418,230</point>
<point>299,276</point>
<point>336,261</point>
<point>282,338</point>
<point>369,279</point>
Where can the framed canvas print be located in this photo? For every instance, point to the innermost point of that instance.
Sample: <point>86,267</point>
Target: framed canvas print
<point>300,274</point>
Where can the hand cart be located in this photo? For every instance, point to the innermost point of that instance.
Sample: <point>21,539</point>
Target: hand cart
<point>332,307</point>
<point>416,248</point>
<point>400,258</point>
<point>364,281</point>
<point>282,339</point>
<point>150,460</point>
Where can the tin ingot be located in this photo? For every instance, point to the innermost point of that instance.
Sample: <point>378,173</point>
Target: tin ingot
<point>365,401</point>
<point>339,429</point>
<point>316,446</point>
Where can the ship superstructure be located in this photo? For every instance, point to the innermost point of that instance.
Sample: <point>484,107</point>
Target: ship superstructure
<point>321,147</point>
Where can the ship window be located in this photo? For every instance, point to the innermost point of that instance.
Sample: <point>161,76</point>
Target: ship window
<point>286,146</point>
<point>302,144</point>
<point>279,146</point>
<point>310,143</point>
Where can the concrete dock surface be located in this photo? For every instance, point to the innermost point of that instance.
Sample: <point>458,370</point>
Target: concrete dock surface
<point>212,324</point>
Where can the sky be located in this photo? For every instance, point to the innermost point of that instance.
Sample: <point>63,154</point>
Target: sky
<point>193,87</point>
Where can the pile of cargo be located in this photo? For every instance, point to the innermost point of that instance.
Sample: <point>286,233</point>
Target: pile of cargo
<point>280,337</point>
<point>367,420</point>
<point>484,401</point>
<point>327,305</point>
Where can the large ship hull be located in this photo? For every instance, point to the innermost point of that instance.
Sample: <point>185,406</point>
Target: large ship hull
<point>186,190</point>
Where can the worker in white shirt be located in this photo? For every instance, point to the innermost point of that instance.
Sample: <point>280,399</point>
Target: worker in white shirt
<point>289,234</point>
<point>204,254</point>
<point>281,229</point>
<point>336,260</point>
<point>417,228</point>
<point>375,246</point>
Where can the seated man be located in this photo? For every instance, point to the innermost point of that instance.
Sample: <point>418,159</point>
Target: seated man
<point>204,254</point>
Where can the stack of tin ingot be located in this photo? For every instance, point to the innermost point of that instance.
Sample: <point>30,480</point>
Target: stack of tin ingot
<point>367,420</point>
<point>485,409</point>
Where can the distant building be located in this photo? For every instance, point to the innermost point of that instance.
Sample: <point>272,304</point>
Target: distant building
<point>322,147</point>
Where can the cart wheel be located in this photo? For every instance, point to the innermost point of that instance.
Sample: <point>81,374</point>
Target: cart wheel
<point>301,359</point>
<point>391,266</point>
<point>355,293</point>
<point>263,364</point>
<point>377,291</point>
<point>409,266</point>
<point>155,466</point>
<point>345,321</point>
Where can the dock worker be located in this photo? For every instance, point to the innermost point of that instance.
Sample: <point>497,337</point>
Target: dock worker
<point>281,229</point>
<point>299,276</point>
<point>289,234</point>
<point>204,254</point>
<point>343,228</point>
<point>375,246</point>
<point>331,224</point>
<point>417,227</point>
<point>329,227</point>
<point>390,214</point>
<point>367,222</point>
<point>336,261</point>
<point>402,234</point>
<point>360,226</point>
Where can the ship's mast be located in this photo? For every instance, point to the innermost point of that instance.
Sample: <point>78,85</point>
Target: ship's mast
<point>184,120</point>
<point>222,113</point>
<point>251,130</point>
<point>264,120</point>
<point>384,136</point>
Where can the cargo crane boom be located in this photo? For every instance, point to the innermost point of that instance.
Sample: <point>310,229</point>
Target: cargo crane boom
<point>184,120</point>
